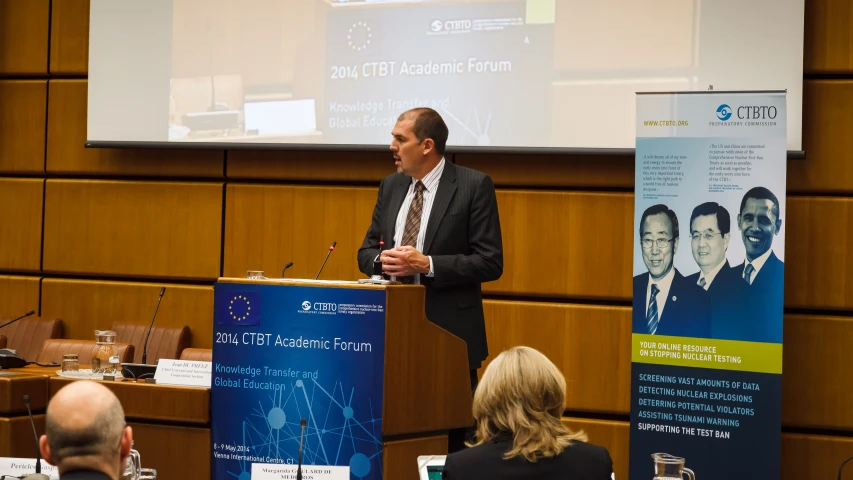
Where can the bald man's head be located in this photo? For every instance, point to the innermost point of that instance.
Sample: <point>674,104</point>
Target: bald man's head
<point>85,426</point>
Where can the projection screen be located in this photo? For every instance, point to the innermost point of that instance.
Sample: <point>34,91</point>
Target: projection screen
<point>504,74</point>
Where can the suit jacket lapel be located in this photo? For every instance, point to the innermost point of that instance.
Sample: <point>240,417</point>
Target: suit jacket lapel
<point>446,190</point>
<point>722,276</point>
<point>398,194</point>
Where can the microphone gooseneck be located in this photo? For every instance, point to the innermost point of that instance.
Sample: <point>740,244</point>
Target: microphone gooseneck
<point>331,249</point>
<point>31,312</point>
<point>145,347</point>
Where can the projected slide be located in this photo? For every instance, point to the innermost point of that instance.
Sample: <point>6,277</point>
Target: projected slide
<point>502,73</point>
<point>482,65</point>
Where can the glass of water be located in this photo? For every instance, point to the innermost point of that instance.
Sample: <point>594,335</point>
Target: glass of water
<point>148,474</point>
<point>255,274</point>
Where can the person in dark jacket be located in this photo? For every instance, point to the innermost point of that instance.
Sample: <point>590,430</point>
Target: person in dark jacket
<point>86,436</point>
<point>518,407</point>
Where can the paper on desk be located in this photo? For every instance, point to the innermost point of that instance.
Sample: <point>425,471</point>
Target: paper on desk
<point>187,373</point>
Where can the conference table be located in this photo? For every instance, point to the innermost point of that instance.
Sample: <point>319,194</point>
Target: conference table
<point>171,424</point>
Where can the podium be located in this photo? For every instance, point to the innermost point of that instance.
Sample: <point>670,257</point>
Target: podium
<point>375,381</point>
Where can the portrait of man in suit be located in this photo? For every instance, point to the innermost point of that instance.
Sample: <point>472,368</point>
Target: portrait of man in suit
<point>710,234</point>
<point>440,227</point>
<point>759,221</point>
<point>665,302</point>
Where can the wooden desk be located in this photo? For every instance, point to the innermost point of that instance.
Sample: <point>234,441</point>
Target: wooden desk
<point>171,425</point>
<point>13,387</point>
<point>155,403</point>
<point>15,430</point>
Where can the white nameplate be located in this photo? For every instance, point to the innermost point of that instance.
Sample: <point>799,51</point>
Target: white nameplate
<point>24,466</point>
<point>188,373</point>
<point>273,471</point>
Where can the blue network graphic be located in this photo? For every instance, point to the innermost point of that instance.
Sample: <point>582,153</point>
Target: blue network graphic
<point>333,435</point>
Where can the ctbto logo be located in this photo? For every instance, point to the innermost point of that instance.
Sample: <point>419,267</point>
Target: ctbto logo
<point>724,112</point>
<point>325,307</point>
<point>450,25</point>
<point>756,112</point>
<point>306,305</point>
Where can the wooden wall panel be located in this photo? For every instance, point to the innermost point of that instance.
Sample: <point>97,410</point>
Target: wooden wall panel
<point>546,237</point>
<point>12,432</point>
<point>568,244</point>
<point>817,355</point>
<point>400,457</point>
<point>69,37</point>
<point>815,456</point>
<point>818,272</point>
<point>24,36</point>
<point>612,435</point>
<point>267,226</point>
<point>20,223</point>
<point>828,42</point>
<point>23,107</point>
<point>827,123</point>
<point>553,170</point>
<point>66,154</point>
<point>85,306</point>
<point>803,456</point>
<point>18,295</point>
<point>140,229</point>
<point>590,344</point>
<point>592,347</point>
<point>310,165</point>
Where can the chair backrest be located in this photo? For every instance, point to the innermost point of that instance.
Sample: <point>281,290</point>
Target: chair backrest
<point>2,341</point>
<point>27,336</point>
<point>165,342</point>
<point>52,350</point>
<point>197,354</point>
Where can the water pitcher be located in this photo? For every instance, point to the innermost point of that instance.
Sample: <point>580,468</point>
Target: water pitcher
<point>132,466</point>
<point>670,467</point>
<point>105,354</point>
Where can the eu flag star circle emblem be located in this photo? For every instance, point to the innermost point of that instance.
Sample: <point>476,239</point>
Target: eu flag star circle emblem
<point>240,308</point>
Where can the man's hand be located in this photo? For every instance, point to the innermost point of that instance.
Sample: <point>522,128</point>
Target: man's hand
<point>404,261</point>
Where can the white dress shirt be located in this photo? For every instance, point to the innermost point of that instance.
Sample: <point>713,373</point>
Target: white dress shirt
<point>430,182</point>
<point>756,264</point>
<point>664,285</point>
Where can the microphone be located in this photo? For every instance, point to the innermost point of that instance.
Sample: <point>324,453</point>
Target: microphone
<point>289,264</point>
<point>31,312</point>
<point>841,468</point>
<point>376,277</point>
<point>145,347</point>
<point>38,475</point>
<point>301,439</point>
<point>331,249</point>
<point>377,263</point>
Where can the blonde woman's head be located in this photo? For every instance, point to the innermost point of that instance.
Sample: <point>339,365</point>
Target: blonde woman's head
<point>522,393</point>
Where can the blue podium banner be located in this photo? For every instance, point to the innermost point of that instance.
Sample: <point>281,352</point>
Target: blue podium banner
<point>284,353</point>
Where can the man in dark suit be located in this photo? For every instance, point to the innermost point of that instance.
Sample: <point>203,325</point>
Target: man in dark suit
<point>710,234</point>
<point>759,221</point>
<point>440,227</point>
<point>665,303</point>
<point>86,436</point>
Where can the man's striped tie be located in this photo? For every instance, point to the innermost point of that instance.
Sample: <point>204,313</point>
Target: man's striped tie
<point>652,315</point>
<point>413,225</point>
<point>747,273</point>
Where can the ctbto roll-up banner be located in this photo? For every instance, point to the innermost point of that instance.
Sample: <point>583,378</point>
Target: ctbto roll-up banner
<point>709,251</point>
